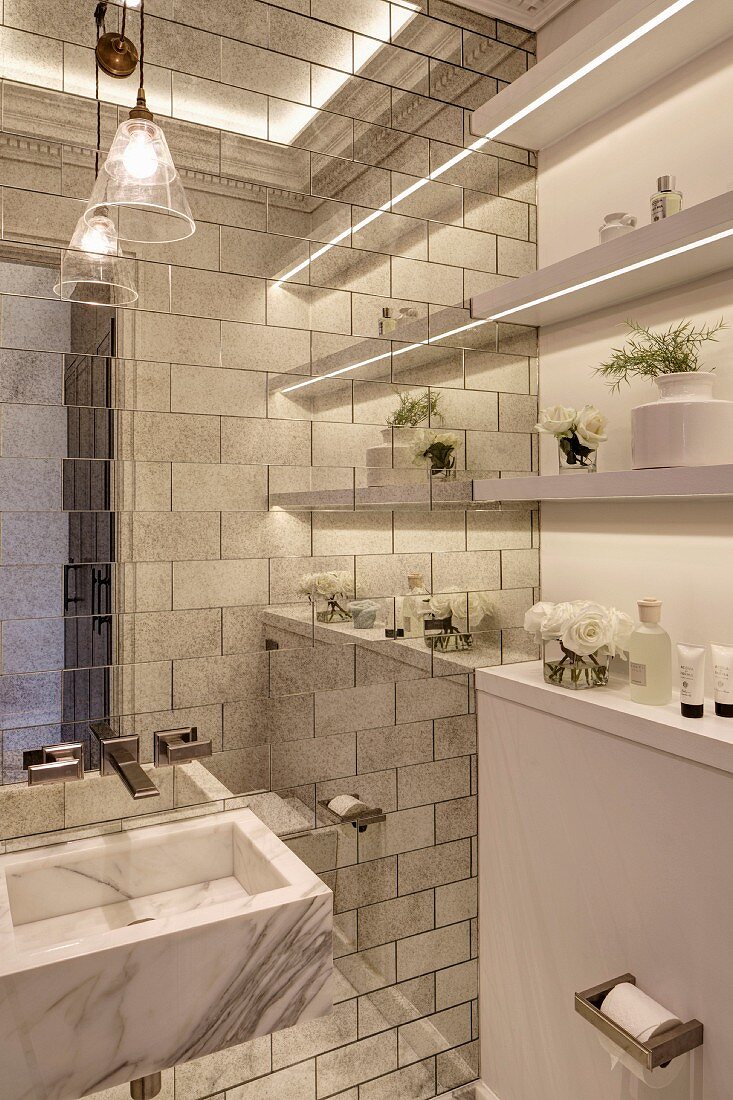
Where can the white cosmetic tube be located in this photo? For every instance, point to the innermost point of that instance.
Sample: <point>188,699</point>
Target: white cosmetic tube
<point>723,679</point>
<point>692,680</point>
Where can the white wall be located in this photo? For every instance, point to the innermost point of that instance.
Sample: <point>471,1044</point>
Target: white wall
<point>678,551</point>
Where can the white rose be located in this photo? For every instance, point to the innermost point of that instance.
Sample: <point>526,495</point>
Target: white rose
<point>621,627</point>
<point>557,621</point>
<point>534,620</point>
<point>591,426</point>
<point>557,420</point>
<point>587,633</point>
<point>480,607</point>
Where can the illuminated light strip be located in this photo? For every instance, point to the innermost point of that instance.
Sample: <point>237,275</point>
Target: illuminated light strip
<point>563,85</point>
<point>518,309</point>
<point>614,274</point>
<point>387,355</point>
<point>409,11</point>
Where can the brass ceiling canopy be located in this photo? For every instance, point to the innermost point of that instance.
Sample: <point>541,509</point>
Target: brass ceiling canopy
<point>116,55</point>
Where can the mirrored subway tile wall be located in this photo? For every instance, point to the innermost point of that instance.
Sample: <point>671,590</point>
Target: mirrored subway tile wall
<point>150,572</point>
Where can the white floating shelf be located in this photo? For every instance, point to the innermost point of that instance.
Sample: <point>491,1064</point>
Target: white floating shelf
<point>422,495</point>
<point>707,740</point>
<point>682,482</point>
<point>698,27</point>
<point>691,245</point>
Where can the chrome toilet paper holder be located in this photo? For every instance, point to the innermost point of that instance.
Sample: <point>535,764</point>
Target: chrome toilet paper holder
<point>652,1054</point>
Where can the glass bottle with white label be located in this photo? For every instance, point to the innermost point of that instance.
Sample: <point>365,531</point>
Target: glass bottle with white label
<point>650,657</point>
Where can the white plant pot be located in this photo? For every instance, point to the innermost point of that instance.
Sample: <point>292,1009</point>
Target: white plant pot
<point>385,464</point>
<point>686,427</point>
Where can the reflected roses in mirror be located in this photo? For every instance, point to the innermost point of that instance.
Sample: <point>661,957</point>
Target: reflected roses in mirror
<point>326,591</point>
<point>579,640</point>
<point>578,434</point>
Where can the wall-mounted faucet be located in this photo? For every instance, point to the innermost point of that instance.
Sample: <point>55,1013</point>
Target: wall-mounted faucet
<point>54,763</point>
<point>179,746</point>
<point>121,755</point>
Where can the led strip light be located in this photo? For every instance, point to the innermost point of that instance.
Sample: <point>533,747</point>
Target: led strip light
<point>479,143</point>
<point>614,274</point>
<point>606,277</point>
<point>403,12</point>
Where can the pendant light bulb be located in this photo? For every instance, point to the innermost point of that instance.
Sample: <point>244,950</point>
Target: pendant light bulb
<point>139,158</point>
<point>99,237</point>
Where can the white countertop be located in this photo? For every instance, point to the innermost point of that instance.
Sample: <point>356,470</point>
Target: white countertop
<point>707,740</point>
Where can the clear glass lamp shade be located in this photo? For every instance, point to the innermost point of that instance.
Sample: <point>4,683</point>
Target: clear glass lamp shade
<point>140,187</point>
<point>91,269</point>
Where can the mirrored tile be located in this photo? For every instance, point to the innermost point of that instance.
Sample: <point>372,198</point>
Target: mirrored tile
<point>264,163</point>
<point>292,124</point>
<point>312,218</point>
<point>353,97</point>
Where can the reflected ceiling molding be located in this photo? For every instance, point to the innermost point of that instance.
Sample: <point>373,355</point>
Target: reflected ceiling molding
<point>403,12</point>
<point>480,142</point>
<point>388,354</point>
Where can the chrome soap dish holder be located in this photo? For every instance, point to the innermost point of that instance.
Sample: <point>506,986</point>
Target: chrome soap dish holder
<point>370,816</point>
<point>652,1054</point>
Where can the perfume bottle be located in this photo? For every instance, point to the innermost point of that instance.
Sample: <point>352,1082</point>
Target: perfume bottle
<point>667,200</point>
<point>415,607</point>
<point>650,657</point>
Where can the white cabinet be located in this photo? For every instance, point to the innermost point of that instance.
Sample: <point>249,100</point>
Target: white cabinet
<point>597,855</point>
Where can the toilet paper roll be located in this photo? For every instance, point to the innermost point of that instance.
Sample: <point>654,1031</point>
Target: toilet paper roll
<point>346,805</point>
<point>634,1011</point>
<point>654,1079</point>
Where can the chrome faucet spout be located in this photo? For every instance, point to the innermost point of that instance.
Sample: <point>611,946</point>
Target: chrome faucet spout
<point>121,755</point>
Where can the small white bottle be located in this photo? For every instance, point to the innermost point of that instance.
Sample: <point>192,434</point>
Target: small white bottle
<point>416,606</point>
<point>667,200</point>
<point>650,657</point>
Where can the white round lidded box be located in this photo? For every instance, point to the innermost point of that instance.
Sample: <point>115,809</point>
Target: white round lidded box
<point>686,427</point>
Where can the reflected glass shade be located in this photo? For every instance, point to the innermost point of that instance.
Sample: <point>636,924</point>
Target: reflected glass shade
<point>91,269</point>
<point>140,187</point>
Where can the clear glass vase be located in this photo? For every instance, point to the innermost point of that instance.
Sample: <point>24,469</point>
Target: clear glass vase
<point>569,670</point>
<point>574,458</point>
<point>330,609</point>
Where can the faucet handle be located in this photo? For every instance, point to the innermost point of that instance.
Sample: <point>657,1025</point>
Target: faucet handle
<point>58,764</point>
<point>179,746</point>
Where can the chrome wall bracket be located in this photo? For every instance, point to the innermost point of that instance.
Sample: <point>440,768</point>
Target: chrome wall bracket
<point>55,764</point>
<point>179,746</point>
<point>652,1054</point>
<point>371,816</point>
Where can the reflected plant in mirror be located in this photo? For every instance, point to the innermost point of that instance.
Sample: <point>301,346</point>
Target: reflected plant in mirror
<point>415,409</point>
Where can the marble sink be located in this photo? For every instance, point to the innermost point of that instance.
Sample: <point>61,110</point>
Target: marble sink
<point>123,955</point>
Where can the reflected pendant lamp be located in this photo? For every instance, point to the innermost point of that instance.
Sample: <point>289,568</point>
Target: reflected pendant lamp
<point>92,271</point>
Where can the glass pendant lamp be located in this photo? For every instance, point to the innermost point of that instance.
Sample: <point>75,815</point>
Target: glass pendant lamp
<point>139,184</point>
<point>92,271</point>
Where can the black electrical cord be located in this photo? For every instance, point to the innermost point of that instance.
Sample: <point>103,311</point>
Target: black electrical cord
<point>100,14</point>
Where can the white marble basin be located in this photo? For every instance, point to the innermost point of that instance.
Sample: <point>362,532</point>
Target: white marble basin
<point>123,955</point>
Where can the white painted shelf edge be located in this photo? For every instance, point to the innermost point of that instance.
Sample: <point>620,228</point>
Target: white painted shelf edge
<point>671,42</point>
<point>521,300</point>
<point>707,740</point>
<point>680,481</point>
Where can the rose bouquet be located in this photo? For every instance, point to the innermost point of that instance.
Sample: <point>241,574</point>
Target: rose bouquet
<point>328,588</point>
<point>578,434</point>
<point>579,639</point>
<point>438,450</point>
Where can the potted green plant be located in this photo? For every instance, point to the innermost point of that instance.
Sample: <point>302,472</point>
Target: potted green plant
<point>686,426</point>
